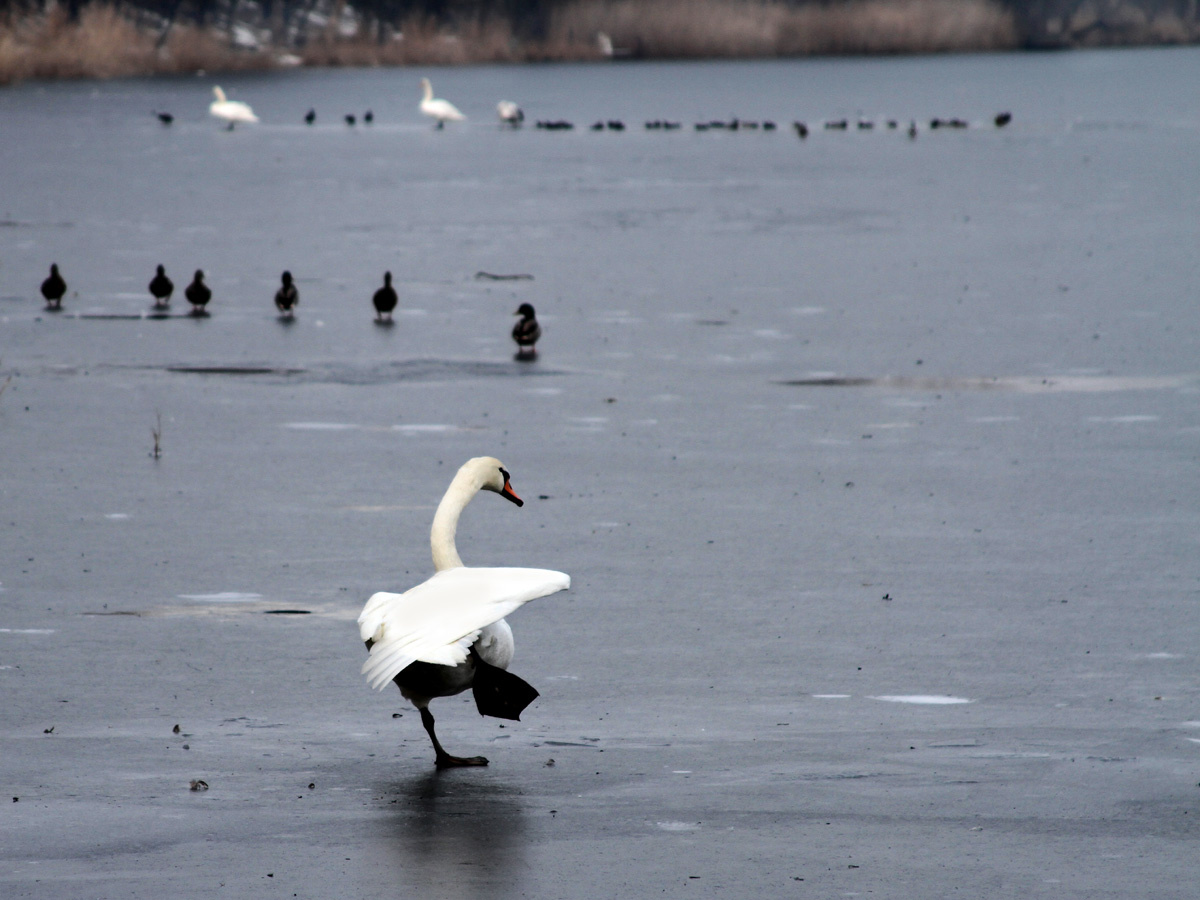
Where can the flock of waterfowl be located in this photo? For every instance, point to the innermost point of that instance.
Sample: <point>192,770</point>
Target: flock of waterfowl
<point>449,633</point>
<point>525,333</point>
<point>233,112</point>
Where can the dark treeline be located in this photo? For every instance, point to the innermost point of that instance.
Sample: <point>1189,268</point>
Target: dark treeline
<point>295,23</point>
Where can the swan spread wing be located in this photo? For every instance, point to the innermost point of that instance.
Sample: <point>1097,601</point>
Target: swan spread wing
<point>439,619</point>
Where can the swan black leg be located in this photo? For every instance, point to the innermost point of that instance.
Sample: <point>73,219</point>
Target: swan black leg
<point>443,759</point>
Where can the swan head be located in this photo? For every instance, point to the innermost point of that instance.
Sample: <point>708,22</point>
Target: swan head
<point>219,94</point>
<point>490,475</point>
<point>525,311</point>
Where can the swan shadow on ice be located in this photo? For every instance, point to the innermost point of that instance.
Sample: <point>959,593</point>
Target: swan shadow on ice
<point>441,822</point>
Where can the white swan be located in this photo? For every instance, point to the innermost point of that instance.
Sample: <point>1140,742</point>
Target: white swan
<point>442,110</point>
<point>510,113</point>
<point>448,634</point>
<point>231,111</point>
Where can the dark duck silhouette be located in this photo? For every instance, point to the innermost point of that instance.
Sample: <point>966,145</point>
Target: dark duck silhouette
<point>310,117</point>
<point>527,331</point>
<point>287,297</point>
<point>161,287</point>
<point>53,288</point>
<point>198,294</point>
<point>385,299</point>
<point>165,117</point>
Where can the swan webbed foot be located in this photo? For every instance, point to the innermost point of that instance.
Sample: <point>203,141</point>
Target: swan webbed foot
<point>446,761</point>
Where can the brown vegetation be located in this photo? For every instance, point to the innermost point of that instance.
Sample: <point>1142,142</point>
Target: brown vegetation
<point>108,41</point>
<point>104,43</point>
<point>745,28</point>
<point>419,40</point>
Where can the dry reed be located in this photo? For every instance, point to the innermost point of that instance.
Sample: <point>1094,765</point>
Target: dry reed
<point>419,40</point>
<point>746,28</point>
<point>105,42</point>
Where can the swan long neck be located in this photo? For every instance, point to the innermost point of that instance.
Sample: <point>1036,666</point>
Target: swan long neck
<point>445,523</point>
<point>427,87</point>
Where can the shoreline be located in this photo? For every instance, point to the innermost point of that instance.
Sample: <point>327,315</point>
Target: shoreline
<point>105,41</point>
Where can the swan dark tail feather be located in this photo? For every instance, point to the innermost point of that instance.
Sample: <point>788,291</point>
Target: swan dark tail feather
<point>499,693</point>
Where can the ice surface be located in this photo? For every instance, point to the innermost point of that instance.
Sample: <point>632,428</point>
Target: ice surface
<point>747,572</point>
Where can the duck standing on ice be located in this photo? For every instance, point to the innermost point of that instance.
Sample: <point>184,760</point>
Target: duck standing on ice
<point>287,298</point>
<point>198,294</point>
<point>53,288</point>
<point>161,288</point>
<point>527,331</point>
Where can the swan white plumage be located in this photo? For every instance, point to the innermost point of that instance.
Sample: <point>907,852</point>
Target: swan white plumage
<point>231,111</point>
<point>442,110</point>
<point>510,113</point>
<point>448,633</point>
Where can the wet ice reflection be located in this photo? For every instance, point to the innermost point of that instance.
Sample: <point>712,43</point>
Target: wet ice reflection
<point>457,837</point>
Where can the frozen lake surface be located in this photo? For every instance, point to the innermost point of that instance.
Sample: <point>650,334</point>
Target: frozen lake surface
<point>873,461</point>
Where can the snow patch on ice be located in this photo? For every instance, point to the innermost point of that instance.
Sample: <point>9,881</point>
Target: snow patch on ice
<point>926,699</point>
<point>423,429</point>
<point>222,597</point>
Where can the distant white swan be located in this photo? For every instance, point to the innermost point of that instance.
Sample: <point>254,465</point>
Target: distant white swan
<point>448,634</point>
<point>231,111</point>
<point>442,110</point>
<point>510,113</point>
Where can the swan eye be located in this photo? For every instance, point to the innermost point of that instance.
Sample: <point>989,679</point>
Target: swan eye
<point>504,473</point>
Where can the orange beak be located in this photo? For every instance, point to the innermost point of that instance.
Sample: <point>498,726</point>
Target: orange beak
<point>511,494</point>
